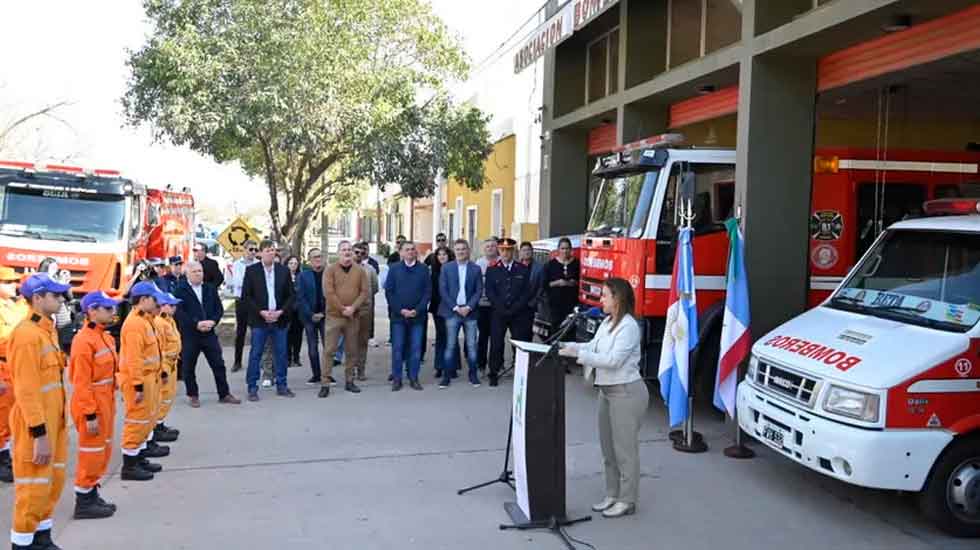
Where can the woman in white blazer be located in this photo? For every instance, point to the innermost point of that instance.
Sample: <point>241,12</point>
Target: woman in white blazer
<point>613,358</point>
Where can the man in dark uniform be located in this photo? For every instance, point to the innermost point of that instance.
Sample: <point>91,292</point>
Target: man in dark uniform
<point>508,286</point>
<point>396,256</point>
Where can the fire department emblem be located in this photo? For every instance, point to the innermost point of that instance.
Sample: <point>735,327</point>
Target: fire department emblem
<point>826,225</point>
<point>963,367</point>
<point>924,306</point>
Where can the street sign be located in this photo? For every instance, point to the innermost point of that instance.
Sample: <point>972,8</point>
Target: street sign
<point>234,237</point>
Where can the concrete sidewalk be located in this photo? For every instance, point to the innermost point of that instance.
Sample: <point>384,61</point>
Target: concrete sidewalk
<point>380,471</point>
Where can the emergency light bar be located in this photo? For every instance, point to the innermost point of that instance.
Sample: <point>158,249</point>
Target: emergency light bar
<point>77,170</point>
<point>952,207</point>
<point>663,140</point>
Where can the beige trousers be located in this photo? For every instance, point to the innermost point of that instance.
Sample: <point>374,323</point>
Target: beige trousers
<point>621,411</point>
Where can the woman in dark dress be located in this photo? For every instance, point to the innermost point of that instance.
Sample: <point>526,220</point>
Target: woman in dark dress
<point>561,284</point>
<point>294,336</point>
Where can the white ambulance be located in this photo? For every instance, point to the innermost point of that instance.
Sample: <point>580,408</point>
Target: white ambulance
<point>879,386</point>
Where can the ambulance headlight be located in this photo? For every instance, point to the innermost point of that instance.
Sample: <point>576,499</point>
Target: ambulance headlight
<point>753,368</point>
<point>852,403</point>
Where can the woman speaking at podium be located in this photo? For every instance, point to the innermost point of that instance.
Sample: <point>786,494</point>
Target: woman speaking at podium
<point>613,358</point>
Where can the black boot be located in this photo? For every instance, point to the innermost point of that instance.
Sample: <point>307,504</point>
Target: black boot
<point>151,467</point>
<point>42,541</point>
<point>101,500</point>
<point>164,433</point>
<point>87,506</point>
<point>133,470</point>
<point>6,470</point>
<point>352,388</point>
<point>154,450</point>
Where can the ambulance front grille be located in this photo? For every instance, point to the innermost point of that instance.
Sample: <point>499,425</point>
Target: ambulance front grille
<point>787,383</point>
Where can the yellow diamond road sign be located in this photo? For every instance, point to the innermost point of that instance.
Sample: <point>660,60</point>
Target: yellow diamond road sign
<point>234,237</point>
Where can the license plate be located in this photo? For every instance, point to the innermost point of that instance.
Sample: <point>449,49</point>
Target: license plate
<point>773,435</point>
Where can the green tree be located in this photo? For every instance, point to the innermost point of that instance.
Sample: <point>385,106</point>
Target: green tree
<point>311,95</point>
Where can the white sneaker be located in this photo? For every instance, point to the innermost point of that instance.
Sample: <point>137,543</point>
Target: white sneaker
<point>618,510</point>
<point>604,505</point>
<point>267,384</point>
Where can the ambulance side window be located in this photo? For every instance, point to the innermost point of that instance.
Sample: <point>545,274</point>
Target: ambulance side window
<point>714,202</point>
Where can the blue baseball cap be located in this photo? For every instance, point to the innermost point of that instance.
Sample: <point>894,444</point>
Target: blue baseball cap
<point>146,288</point>
<point>168,299</point>
<point>41,282</point>
<point>97,299</point>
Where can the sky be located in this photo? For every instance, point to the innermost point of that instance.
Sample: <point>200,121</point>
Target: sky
<point>67,50</point>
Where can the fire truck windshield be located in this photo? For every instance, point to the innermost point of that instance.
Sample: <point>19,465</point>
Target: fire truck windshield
<point>623,205</point>
<point>61,214</point>
<point>923,278</point>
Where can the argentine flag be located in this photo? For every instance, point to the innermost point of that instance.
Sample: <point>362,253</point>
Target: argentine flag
<point>735,337</point>
<point>681,332</point>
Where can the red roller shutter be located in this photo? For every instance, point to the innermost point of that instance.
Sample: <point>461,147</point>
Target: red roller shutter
<point>706,107</point>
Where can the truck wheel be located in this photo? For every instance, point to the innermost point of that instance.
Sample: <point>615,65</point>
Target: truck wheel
<point>951,497</point>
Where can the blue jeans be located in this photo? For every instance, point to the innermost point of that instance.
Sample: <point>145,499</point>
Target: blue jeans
<point>314,335</point>
<point>470,325</point>
<point>259,335</point>
<point>406,345</point>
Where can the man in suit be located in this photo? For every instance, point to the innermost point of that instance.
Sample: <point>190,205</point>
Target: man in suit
<point>396,256</point>
<point>508,286</point>
<point>212,273</point>
<point>460,290</point>
<point>198,313</point>
<point>267,292</point>
<point>311,307</point>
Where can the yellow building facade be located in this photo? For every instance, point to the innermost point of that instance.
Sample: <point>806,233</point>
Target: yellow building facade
<point>476,215</point>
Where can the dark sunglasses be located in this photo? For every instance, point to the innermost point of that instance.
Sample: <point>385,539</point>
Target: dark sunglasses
<point>253,249</point>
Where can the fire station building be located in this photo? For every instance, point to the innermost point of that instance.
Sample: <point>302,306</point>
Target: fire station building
<point>793,86</point>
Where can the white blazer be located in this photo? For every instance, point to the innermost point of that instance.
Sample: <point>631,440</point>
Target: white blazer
<point>614,353</point>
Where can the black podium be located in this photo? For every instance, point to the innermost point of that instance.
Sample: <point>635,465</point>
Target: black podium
<point>538,424</point>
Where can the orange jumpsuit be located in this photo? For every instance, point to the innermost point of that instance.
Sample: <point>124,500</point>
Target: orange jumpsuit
<point>37,366</point>
<point>170,343</point>
<point>12,312</point>
<point>139,370</point>
<point>93,381</point>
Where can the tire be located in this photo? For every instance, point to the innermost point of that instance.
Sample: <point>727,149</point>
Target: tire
<point>951,497</point>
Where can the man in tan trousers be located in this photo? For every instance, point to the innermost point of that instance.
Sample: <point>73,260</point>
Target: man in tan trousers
<point>367,310</point>
<point>346,288</point>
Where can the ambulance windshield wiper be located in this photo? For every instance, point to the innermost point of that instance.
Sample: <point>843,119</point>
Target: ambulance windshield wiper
<point>848,300</point>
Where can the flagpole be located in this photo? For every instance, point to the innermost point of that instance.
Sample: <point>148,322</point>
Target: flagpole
<point>738,450</point>
<point>692,441</point>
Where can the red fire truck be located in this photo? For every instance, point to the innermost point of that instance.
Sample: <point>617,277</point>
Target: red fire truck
<point>632,226</point>
<point>94,223</point>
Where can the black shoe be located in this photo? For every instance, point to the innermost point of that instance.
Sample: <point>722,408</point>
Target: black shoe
<point>164,434</point>
<point>324,391</point>
<point>285,392</point>
<point>133,469</point>
<point>493,382</point>
<point>414,384</point>
<point>42,541</point>
<point>396,385</point>
<point>155,450</point>
<point>314,380</point>
<point>102,501</point>
<point>332,380</point>
<point>236,367</point>
<point>6,470</point>
<point>352,387</point>
<point>444,383</point>
<point>151,467</point>
<point>87,506</point>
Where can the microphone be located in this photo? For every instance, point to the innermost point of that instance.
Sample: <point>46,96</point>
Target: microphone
<point>591,313</point>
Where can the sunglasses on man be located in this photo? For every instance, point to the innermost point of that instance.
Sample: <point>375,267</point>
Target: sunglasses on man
<point>253,249</point>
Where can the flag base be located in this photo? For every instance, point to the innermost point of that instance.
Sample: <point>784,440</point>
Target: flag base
<point>739,451</point>
<point>680,442</point>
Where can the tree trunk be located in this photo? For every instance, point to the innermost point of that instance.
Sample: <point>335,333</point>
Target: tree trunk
<point>297,238</point>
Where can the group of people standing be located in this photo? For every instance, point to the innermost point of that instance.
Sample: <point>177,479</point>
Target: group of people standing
<point>485,299</point>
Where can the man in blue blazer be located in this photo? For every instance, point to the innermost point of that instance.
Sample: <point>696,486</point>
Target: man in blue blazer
<point>198,313</point>
<point>311,306</point>
<point>460,289</point>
